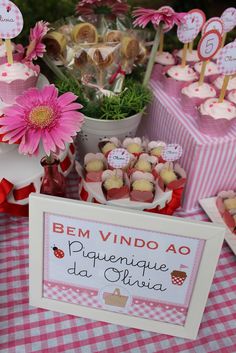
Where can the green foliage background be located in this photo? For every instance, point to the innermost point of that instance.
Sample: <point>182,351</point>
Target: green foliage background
<point>52,10</point>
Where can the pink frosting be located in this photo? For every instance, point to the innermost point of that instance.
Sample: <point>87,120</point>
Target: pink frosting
<point>191,57</point>
<point>225,110</point>
<point>211,68</point>
<point>185,74</point>
<point>219,83</point>
<point>165,59</point>
<point>232,96</point>
<point>194,90</point>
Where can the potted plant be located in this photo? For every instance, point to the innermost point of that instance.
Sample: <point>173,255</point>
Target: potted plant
<point>106,116</point>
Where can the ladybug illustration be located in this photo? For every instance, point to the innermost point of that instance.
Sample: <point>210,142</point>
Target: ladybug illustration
<point>8,8</point>
<point>58,252</point>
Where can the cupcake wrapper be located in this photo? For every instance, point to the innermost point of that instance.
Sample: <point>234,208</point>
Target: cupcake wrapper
<point>117,193</point>
<point>177,280</point>
<point>173,87</point>
<point>142,196</point>
<point>93,177</point>
<point>9,91</point>
<point>214,127</point>
<point>190,105</point>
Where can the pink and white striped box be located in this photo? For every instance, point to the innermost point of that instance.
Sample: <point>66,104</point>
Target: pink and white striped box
<point>210,162</point>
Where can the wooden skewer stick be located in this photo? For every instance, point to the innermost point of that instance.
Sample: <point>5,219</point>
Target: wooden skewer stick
<point>9,51</point>
<point>161,45</point>
<point>224,88</point>
<point>184,54</point>
<point>223,39</point>
<point>191,46</point>
<point>201,79</point>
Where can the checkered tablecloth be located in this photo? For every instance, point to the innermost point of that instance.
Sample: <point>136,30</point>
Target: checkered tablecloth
<point>25,329</point>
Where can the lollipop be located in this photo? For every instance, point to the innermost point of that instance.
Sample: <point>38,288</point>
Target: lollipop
<point>113,36</point>
<point>81,59</point>
<point>129,48</point>
<point>101,57</point>
<point>84,33</point>
<point>55,44</point>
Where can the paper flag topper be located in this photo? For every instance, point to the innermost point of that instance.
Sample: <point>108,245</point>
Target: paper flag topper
<point>226,61</point>
<point>200,15</point>
<point>188,30</point>
<point>229,19</point>
<point>11,20</point>
<point>172,152</point>
<point>213,23</point>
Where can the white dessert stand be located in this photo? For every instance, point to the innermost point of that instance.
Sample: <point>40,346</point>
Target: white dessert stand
<point>23,170</point>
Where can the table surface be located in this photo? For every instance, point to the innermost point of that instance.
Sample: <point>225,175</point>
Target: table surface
<point>26,329</point>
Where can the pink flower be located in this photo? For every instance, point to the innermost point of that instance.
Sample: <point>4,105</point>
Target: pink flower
<point>165,14</point>
<point>36,48</point>
<point>111,8</point>
<point>42,116</point>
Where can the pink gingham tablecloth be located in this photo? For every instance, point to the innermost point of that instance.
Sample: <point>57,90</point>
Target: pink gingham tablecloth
<point>26,329</point>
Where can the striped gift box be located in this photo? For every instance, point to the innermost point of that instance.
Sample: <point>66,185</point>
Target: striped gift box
<point>210,162</point>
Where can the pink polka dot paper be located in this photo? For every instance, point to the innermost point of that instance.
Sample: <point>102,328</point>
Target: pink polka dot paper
<point>11,20</point>
<point>226,61</point>
<point>189,30</point>
<point>172,152</point>
<point>119,158</point>
<point>229,19</point>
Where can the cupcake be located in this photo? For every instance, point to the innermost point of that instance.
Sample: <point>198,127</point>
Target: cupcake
<point>108,145</point>
<point>94,165</point>
<point>145,163</point>
<point>216,118</point>
<point>170,176</point>
<point>218,83</point>
<point>232,96</point>
<point>177,77</point>
<point>194,95</point>
<point>17,50</point>
<point>211,72</point>
<point>178,277</point>
<point>156,148</point>
<point>226,205</point>
<point>133,146</point>
<point>16,78</point>
<point>162,60</point>
<point>142,187</point>
<point>191,58</point>
<point>115,185</point>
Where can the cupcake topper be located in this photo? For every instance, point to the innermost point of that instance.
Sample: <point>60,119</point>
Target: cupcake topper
<point>229,21</point>
<point>202,19</point>
<point>119,158</point>
<point>208,46</point>
<point>171,153</point>
<point>11,25</point>
<point>226,64</point>
<point>187,32</point>
<point>213,23</point>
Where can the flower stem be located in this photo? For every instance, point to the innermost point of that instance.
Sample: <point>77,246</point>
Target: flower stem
<point>152,56</point>
<point>54,68</point>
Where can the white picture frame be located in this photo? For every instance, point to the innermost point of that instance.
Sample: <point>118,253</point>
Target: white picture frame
<point>209,206</point>
<point>204,242</point>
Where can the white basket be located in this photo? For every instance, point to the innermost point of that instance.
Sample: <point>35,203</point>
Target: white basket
<point>94,130</point>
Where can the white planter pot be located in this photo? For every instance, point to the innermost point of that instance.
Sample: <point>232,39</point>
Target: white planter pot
<point>94,130</point>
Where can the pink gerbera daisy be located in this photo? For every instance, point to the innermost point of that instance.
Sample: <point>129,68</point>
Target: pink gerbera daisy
<point>111,8</point>
<point>42,116</point>
<point>36,48</point>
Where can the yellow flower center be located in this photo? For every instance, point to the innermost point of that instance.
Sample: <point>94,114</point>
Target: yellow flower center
<point>41,116</point>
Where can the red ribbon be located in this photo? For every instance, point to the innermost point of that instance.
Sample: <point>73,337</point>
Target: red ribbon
<point>171,206</point>
<point>119,71</point>
<point>6,187</point>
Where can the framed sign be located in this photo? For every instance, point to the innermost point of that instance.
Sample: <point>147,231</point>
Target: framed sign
<point>137,269</point>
